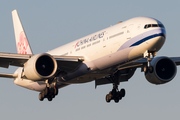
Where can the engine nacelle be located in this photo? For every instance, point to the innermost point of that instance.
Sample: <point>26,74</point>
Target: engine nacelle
<point>163,70</point>
<point>40,67</point>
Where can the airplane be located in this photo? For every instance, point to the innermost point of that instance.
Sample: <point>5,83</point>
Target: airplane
<point>109,56</point>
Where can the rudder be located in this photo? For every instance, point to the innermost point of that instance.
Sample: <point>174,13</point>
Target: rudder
<point>22,43</point>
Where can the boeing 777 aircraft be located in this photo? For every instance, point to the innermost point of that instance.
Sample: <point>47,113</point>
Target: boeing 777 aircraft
<point>109,56</point>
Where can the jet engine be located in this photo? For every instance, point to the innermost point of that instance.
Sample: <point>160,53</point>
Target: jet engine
<point>162,70</point>
<point>40,67</point>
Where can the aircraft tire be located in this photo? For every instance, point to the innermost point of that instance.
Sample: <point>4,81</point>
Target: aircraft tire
<point>122,92</point>
<point>49,98</point>
<point>40,97</point>
<point>57,91</point>
<point>46,91</point>
<point>116,100</point>
<point>108,99</point>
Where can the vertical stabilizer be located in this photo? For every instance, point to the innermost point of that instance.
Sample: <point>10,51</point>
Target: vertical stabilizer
<point>22,43</point>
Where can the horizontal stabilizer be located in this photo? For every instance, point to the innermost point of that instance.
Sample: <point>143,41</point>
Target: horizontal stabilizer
<point>8,75</point>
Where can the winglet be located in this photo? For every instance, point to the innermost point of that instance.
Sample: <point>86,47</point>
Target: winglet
<point>22,43</point>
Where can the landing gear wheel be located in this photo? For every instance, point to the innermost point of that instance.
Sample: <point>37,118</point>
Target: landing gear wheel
<point>53,96</point>
<point>49,93</point>
<point>108,99</point>
<point>42,94</point>
<point>50,98</point>
<point>115,95</point>
<point>46,90</point>
<point>116,100</point>
<point>56,91</point>
<point>122,92</point>
<point>41,98</point>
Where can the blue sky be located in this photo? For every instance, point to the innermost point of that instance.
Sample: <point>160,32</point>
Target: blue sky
<point>50,24</point>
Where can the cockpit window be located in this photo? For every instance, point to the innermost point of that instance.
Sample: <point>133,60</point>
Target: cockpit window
<point>153,25</point>
<point>161,25</point>
<point>148,26</point>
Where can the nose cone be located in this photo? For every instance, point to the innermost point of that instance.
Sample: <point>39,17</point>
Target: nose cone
<point>162,36</point>
<point>163,32</point>
<point>158,40</point>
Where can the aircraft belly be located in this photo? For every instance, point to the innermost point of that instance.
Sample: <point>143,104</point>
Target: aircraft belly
<point>36,86</point>
<point>98,68</point>
<point>86,78</point>
<point>118,57</point>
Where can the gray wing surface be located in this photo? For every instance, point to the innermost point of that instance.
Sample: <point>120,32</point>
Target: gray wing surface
<point>139,63</point>
<point>65,63</point>
<point>129,69</point>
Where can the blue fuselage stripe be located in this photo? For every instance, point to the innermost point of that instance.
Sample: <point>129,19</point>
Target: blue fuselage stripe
<point>139,39</point>
<point>147,38</point>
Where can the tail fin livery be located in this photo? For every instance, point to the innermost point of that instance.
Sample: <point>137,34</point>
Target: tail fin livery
<point>22,44</point>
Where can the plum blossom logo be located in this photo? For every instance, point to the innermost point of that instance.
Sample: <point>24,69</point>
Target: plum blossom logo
<point>76,44</point>
<point>22,44</point>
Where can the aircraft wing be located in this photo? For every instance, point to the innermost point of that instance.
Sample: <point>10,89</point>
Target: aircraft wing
<point>66,63</point>
<point>139,63</point>
<point>129,69</point>
<point>176,60</point>
<point>18,60</point>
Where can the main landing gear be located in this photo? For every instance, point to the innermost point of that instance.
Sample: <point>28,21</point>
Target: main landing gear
<point>115,94</point>
<point>49,93</point>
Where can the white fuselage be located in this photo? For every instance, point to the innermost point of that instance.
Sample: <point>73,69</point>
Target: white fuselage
<point>107,41</point>
<point>109,48</point>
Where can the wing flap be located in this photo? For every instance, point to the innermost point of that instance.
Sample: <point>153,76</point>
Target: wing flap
<point>69,58</point>
<point>135,64</point>
<point>68,63</point>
